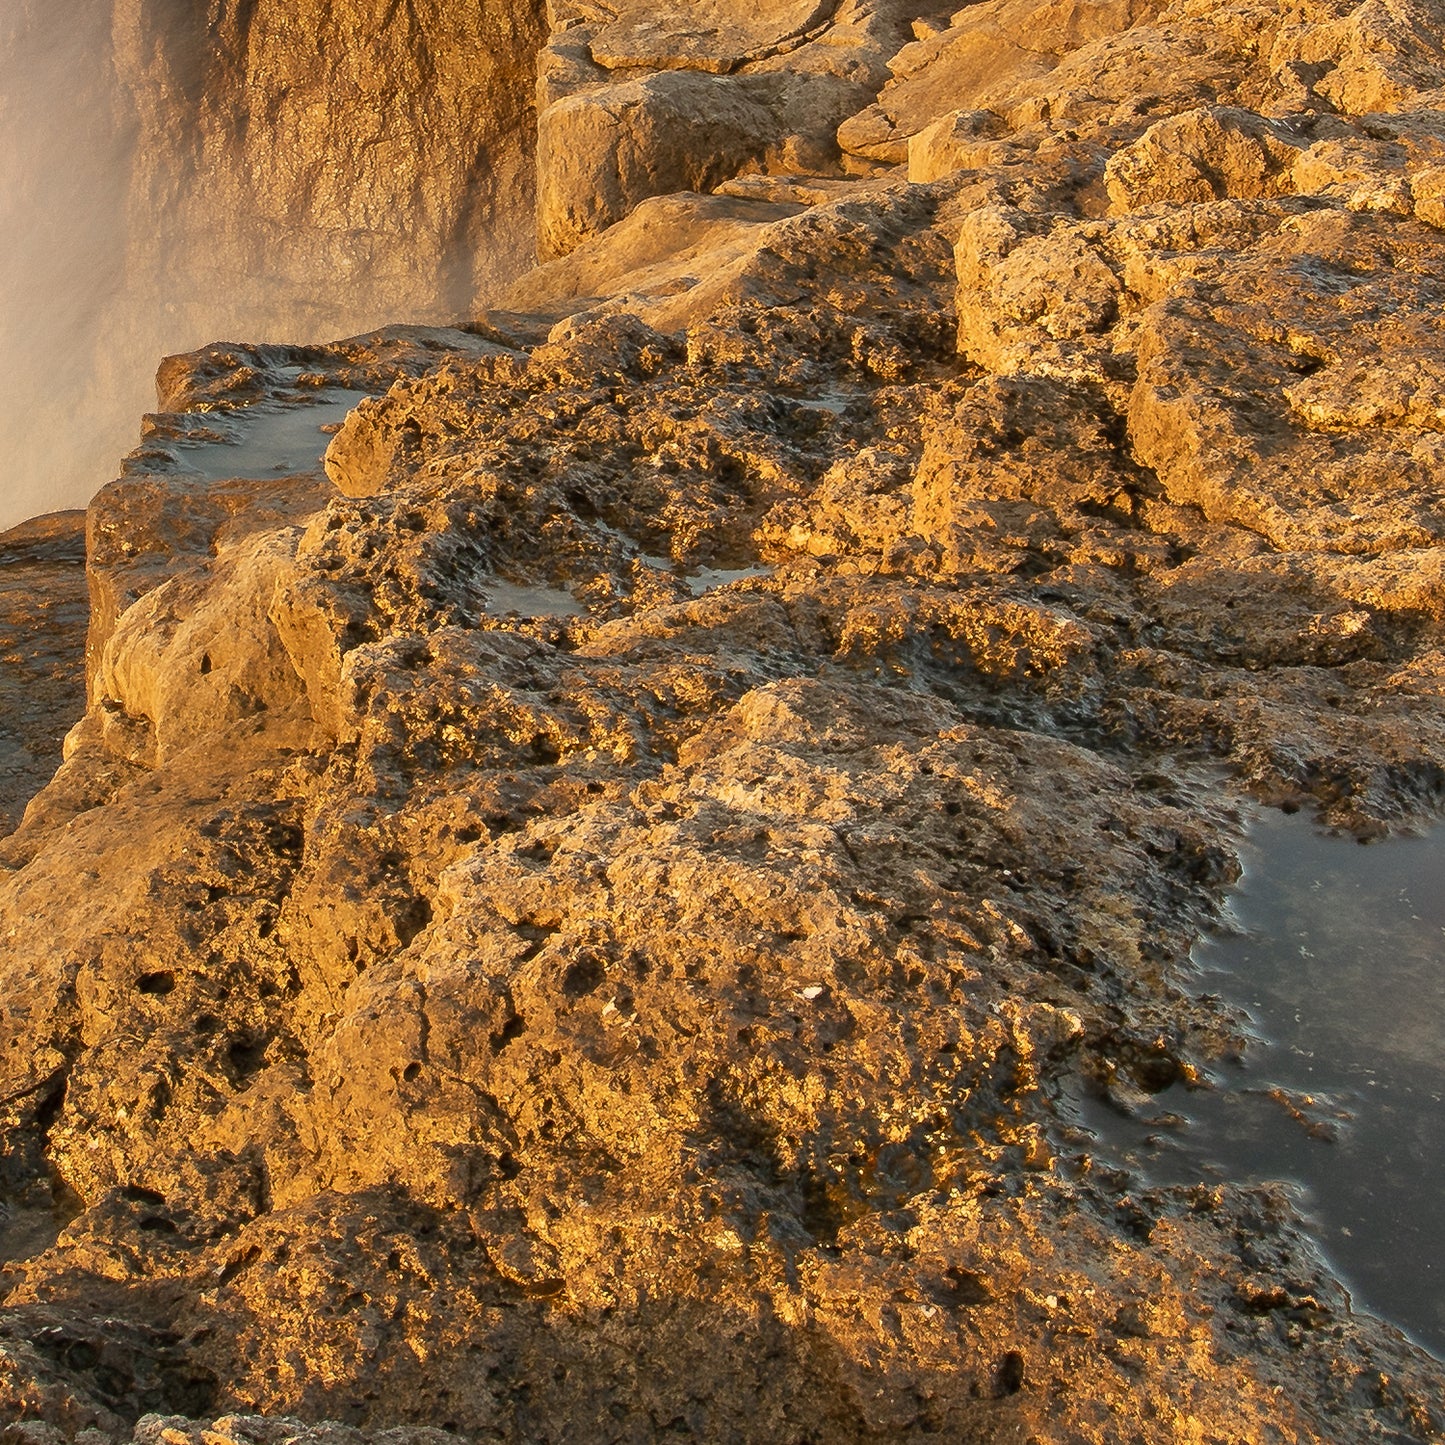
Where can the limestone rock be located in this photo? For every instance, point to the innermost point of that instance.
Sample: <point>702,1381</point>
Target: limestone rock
<point>666,246</point>
<point>1024,284</point>
<point>1292,460</point>
<point>633,106</point>
<point>580,917</point>
<point>1382,163</point>
<point>709,35</point>
<point>959,140</point>
<point>990,49</point>
<point>602,152</point>
<point>1367,58</point>
<point>1202,155</point>
<point>1428,192</point>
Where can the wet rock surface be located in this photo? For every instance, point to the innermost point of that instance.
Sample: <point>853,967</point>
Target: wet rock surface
<point>570,918</point>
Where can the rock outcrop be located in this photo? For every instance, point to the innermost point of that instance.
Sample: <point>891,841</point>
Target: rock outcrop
<point>570,917</point>
<point>43,616</point>
<point>632,105</point>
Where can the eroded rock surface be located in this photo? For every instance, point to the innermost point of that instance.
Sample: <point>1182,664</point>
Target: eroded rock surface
<point>570,918</point>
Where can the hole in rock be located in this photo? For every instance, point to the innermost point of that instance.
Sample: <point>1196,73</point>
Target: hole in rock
<point>1009,1378</point>
<point>245,1056</point>
<point>111,1384</point>
<point>81,1355</point>
<point>159,983</point>
<point>47,1109</point>
<point>412,920</point>
<point>825,1210</point>
<point>286,839</point>
<point>962,1287</point>
<point>189,1391</point>
<point>514,1028</point>
<point>544,750</point>
<point>583,976</point>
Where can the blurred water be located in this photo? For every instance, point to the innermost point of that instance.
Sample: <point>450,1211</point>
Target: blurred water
<point>64,168</point>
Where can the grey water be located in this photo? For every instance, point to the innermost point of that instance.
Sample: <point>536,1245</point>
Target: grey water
<point>704,579</point>
<point>1339,962</point>
<point>504,598</point>
<point>270,439</point>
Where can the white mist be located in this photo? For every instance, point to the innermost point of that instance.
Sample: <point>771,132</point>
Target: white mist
<point>176,172</point>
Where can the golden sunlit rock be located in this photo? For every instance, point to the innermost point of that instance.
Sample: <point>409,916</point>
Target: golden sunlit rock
<point>603,835</point>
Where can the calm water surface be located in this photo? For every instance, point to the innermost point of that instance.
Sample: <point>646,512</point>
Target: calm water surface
<point>269,439</point>
<point>1340,964</point>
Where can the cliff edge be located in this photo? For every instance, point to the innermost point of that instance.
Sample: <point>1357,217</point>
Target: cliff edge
<point>175,171</point>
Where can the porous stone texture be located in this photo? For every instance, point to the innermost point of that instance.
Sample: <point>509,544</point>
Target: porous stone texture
<point>575,917</point>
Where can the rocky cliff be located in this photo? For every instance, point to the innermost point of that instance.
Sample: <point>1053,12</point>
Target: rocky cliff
<point>43,617</point>
<point>173,172</point>
<point>572,919</point>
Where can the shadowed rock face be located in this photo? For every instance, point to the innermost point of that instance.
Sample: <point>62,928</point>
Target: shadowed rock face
<point>568,917</point>
<point>43,616</point>
<point>367,149</point>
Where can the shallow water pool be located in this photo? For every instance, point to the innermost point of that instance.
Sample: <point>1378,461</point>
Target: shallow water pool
<point>1340,963</point>
<point>269,439</point>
